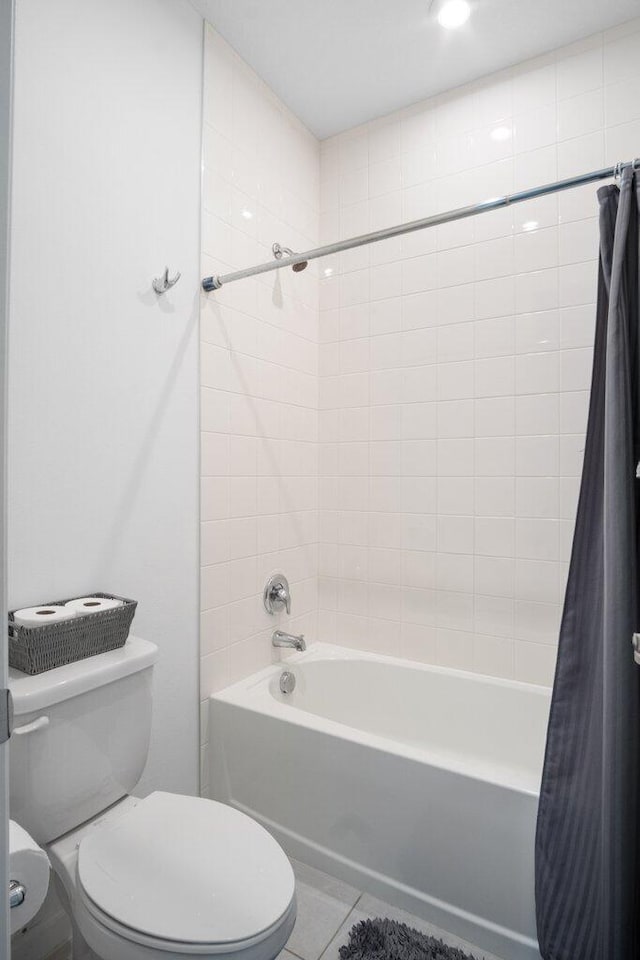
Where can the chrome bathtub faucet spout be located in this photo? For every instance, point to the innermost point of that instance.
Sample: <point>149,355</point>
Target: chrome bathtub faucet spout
<point>282,639</point>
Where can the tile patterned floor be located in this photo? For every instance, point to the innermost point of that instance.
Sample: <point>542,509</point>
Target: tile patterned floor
<point>328,908</point>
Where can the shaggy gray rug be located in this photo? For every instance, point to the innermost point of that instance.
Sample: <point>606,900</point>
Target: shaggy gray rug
<point>389,940</point>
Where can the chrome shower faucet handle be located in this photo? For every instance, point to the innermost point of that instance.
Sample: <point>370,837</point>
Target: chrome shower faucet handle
<point>276,594</point>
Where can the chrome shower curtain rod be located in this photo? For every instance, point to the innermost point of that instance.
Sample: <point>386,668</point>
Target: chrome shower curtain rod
<point>461,213</point>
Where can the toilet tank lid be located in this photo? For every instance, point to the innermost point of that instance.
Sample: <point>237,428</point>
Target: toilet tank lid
<point>62,683</point>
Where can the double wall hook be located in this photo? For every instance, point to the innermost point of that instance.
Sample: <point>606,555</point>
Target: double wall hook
<point>165,282</point>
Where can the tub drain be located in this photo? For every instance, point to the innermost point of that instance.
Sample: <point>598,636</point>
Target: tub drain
<point>287,681</point>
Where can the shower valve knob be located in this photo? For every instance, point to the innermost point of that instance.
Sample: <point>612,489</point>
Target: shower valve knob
<point>276,594</point>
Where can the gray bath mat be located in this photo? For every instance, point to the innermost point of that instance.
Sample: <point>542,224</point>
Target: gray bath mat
<point>389,940</point>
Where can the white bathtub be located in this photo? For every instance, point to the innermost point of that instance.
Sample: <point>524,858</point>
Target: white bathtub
<point>416,783</point>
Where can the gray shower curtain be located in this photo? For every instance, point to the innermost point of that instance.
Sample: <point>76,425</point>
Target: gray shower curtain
<point>587,842</point>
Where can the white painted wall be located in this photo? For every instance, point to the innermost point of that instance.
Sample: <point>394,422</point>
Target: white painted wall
<point>103,413</point>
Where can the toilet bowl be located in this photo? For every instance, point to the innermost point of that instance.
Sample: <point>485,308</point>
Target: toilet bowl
<point>166,877</point>
<point>173,876</point>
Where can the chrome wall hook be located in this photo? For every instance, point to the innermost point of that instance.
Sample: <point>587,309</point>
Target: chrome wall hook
<point>165,282</point>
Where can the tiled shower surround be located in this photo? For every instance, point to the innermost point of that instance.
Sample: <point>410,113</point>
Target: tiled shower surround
<point>259,372</point>
<point>411,457</point>
<point>455,362</point>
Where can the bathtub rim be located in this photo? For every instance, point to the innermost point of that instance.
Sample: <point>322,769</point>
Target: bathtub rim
<point>252,693</point>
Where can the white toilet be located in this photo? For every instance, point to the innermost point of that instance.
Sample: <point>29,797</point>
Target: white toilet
<point>165,878</point>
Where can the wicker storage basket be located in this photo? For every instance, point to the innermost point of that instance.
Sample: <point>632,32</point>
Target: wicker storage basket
<point>36,649</point>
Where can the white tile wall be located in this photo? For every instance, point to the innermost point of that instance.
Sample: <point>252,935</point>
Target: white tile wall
<point>455,362</point>
<point>428,432</point>
<point>259,373</point>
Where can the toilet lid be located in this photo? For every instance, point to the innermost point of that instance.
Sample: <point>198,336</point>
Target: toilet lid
<point>186,869</point>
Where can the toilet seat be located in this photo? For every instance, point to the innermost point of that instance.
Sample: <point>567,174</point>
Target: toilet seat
<point>92,921</point>
<point>187,876</point>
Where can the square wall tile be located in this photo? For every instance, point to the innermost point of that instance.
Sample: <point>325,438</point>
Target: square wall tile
<point>405,422</point>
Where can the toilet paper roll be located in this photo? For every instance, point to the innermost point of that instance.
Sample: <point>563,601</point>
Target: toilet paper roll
<point>92,604</point>
<point>39,616</point>
<point>28,865</point>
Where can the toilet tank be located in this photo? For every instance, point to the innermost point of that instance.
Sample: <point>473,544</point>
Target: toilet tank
<point>80,738</point>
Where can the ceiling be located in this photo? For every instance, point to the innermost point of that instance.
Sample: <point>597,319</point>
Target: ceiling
<point>339,63</point>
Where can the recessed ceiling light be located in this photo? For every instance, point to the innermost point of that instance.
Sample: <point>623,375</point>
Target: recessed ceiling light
<point>501,133</point>
<point>453,13</point>
<point>247,214</point>
<point>328,271</point>
<point>529,225</point>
